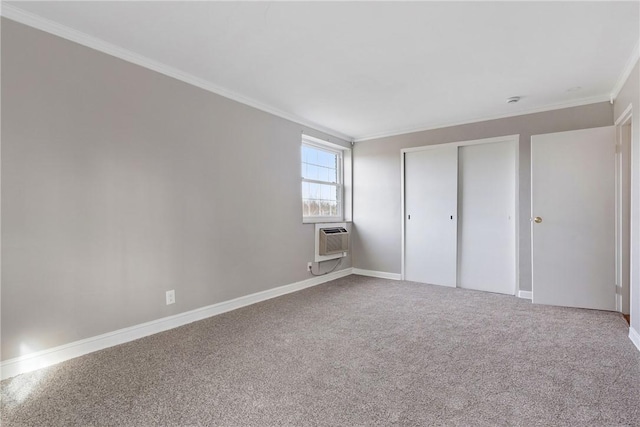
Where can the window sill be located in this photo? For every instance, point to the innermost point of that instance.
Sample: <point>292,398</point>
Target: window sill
<point>316,220</point>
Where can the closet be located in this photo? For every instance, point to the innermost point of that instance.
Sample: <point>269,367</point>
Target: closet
<point>459,219</point>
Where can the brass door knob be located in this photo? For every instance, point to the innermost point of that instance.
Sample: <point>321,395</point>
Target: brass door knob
<point>537,220</point>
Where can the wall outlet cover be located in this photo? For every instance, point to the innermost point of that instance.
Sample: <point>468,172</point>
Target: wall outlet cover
<point>171,297</point>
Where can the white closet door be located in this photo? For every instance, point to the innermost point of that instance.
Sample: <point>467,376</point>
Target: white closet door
<point>431,187</point>
<point>573,199</point>
<point>487,227</point>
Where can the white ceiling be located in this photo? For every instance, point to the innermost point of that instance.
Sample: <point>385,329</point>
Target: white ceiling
<point>364,69</point>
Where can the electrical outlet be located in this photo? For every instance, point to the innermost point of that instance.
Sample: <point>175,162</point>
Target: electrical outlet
<point>171,297</point>
<point>309,266</point>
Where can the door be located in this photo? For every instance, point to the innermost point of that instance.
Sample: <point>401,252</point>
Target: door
<point>431,180</point>
<point>487,226</point>
<point>573,203</point>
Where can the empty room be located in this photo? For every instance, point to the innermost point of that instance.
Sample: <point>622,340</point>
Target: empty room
<point>320,213</point>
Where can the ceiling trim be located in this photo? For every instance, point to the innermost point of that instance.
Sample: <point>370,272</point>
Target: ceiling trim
<point>626,71</point>
<point>68,33</point>
<point>19,15</point>
<point>576,103</point>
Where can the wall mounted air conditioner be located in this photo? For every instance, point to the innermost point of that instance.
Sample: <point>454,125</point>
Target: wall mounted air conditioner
<point>332,241</point>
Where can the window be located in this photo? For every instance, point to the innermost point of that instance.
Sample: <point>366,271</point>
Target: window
<point>322,181</point>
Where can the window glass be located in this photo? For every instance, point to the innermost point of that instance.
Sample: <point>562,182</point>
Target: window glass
<point>321,182</point>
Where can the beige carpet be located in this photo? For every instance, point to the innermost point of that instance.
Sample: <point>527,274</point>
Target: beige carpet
<point>355,351</point>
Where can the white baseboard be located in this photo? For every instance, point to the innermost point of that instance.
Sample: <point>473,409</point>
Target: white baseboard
<point>635,337</point>
<point>42,359</point>
<point>525,294</point>
<point>379,274</point>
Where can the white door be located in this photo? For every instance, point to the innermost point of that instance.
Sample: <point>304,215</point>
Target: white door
<point>573,201</point>
<point>487,227</point>
<point>431,181</point>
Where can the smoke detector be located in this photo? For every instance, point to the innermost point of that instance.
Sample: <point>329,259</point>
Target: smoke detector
<point>513,100</point>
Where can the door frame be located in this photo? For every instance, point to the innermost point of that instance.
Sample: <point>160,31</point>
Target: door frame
<point>515,139</point>
<point>623,156</point>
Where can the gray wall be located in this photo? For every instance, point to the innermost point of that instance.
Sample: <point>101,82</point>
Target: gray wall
<point>630,94</point>
<point>119,183</point>
<point>377,220</point>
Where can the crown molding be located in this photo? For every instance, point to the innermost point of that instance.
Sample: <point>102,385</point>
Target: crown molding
<point>32,20</point>
<point>559,106</point>
<point>14,13</point>
<point>626,71</point>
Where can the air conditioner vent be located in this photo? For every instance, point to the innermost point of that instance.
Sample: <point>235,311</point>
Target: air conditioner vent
<point>337,230</point>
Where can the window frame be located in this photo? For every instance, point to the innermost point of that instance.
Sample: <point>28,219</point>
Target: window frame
<point>340,185</point>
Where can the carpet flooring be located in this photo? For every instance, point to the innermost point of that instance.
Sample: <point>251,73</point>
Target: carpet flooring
<point>356,351</point>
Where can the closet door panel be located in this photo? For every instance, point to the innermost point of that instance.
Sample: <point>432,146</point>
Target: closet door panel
<point>431,185</point>
<point>487,226</point>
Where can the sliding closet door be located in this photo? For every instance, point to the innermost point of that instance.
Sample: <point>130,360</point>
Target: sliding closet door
<point>487,227</point>
<point>431,183</point>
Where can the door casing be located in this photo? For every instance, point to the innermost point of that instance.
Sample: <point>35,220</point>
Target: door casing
<point>623,212</point>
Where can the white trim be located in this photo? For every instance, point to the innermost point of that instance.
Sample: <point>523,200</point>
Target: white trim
<point>515,139</point>
<point>634,336</point>
<point>323,144</point>
<point>626,71</point>
<point>525,294</point>
<point>379,274</point>
<point>403,215</point>
<point>559,106</point>
<point>506,138</point>
<point>622,160</point>
<point>52,356</point>
<point>325,219</point>
<point>517,211</point>
<point>626,115</point>
<point>14,13</point>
